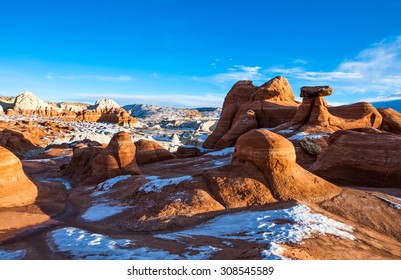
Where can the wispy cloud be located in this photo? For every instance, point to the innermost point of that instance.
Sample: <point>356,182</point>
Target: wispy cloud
<point>236,73</point>
<point>175,100</point>
<point>106,78</point>
<point>374,70</point>
<point>300,61</point>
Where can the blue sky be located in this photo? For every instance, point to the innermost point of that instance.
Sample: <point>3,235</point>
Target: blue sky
<point>189,53</point>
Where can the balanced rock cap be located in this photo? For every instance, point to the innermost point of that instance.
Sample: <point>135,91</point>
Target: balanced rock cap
<point>316,91</point>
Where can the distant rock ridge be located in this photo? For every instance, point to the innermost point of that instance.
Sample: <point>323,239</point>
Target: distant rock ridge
<point>104,110</point>
<point>104,105</point>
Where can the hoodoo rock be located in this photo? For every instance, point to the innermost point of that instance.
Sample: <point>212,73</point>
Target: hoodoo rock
<point>94,163</point>
<point>247,107</point>
<point>275,157</point>
<point>316,91</point>
<point>118,158</point>
<point>315,115</point>
<point>16,189</point>
<point>366,158</point>
<point>150,151</point>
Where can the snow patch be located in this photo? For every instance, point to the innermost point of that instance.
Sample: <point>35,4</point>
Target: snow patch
<point>108,184</point>
<point>81,244</point>
<point>262,226</point>
<point>391,203</point>
<point>12,255</point>
<point>223,152</point>
<point>204,252</point>
<point>102,211</point>
<point>301,135</point>
<point>156,185</point>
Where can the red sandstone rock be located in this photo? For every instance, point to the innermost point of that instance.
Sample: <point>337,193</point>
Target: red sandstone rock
<point>391,120</point>
<point>270,105</point>
<point>16,189</point>
<point>365,158</point>
<point>275,157</point>
<point>314,114</point>
<point>150,151</point>
<point>116,159</point>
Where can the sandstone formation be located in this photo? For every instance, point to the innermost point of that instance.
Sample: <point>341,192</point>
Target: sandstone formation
<point>16,189</point>
<point>79,167</point>
<point>104,110</point>
<point>27,103</point>
<point>190,151</point>
<point>366,158</point>
<point>275,157</point>
<point>247,106</point>
<point>1,111</point>
<point>19,142</point>
<point>93,163</point>
<point>239,185</point>
<point>391,120</point>
<point>315,115</point>
<point>150,151</point>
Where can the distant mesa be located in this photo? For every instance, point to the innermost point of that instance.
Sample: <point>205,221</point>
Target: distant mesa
<point>16,189</point>
<point>104,110</point>
<point>105,105</point>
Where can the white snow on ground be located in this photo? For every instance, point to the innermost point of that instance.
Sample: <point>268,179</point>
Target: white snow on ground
<point>81,244</point>
<point>12,255</point>
<point>301,135</point>
<point>108,184</point>
<point>204,252</point>
<point>391,203</point>
<point>156,185</point>
<point>223,152</point>
<point>65,182</point>
<point>286,131</point>
<point>102,211</point>
<point>262,227</point>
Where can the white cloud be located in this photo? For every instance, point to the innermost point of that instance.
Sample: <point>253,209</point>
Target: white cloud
<point>106,78</point>
<point>174,100</point>
<point>300,61</point>
<point>375,70</point>
<point>236,73</point>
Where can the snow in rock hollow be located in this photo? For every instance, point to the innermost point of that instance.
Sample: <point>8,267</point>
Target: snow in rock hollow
<point>391,203</point>
<point>102,211</point>
<point>108,184</point>
<point>156,185</point>
<point>262,226</point>
<point>81,244</point>
<point>223,152</point>
<point>12,255</point>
